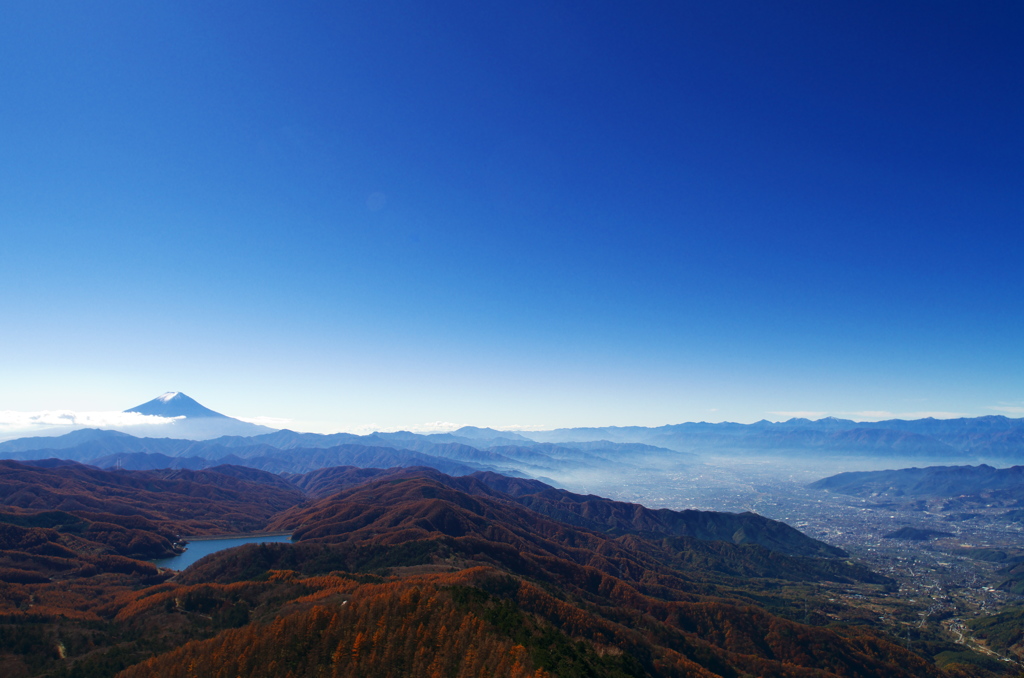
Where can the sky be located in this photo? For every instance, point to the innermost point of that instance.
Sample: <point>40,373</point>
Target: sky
<point>380,215</point>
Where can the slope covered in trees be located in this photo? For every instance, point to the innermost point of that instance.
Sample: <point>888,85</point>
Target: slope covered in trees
<point>192,502</point>
<point>402,572</point>
<point>483,622</point>
<point>598,513</point>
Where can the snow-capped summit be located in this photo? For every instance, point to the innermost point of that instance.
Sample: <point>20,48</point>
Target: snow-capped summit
<point>185,418</point>
<point>176,404</point>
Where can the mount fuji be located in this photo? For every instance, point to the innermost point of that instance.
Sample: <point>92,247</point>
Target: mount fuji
<point>190,420</point>
<point>175,404</point>
<point>172,415</point>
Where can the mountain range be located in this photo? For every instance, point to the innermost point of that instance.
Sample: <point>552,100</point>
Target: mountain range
<point>996,439</point>
<point>971,438</point>
<point>932,481</point>
<point>547,455</point>
<point>291,452</point>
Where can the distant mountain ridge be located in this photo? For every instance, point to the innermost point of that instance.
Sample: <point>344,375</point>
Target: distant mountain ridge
<point>542,454</point>
<point>291,452</point>
<point>969,438</point>
<point>993,438</point>
<point>932,481</point>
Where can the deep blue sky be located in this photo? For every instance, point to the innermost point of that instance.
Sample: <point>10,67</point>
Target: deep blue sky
<point>383,214</point>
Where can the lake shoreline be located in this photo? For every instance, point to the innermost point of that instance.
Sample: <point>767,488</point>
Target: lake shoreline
<point>235,535</point>
<point>202,546</point>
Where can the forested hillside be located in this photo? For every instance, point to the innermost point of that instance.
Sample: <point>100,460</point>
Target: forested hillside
<point>411,572</point>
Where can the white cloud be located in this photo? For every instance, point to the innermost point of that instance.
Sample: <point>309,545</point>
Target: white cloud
<point>871,415</point>
<point>435,427</point>
<point>801,414</point>
<point>12,421</point>
<point>359,429</point>
<point>1009,409</point>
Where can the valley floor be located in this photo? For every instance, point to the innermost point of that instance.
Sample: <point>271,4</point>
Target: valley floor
<point>942,584</point>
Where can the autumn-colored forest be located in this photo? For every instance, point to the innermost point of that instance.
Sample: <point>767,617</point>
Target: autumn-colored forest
<point>409,573</point>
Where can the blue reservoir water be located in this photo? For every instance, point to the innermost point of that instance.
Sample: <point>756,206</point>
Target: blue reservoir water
<point>204,547</point>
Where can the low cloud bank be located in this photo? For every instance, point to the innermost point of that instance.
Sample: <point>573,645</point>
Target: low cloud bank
<point>27,423</point>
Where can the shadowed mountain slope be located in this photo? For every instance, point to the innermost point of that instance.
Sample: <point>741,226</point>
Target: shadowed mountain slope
<point>301,460</point>
<point>590,511</point>
<point>420,506</point>
<point>60,544</point>
<point>193,502</point>
<point>598,513</point>
<point>327,481</point>
<point>114,441</point>
<point>933,481</point>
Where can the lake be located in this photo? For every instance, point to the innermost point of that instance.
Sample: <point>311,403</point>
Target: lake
<point>204,547</point>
